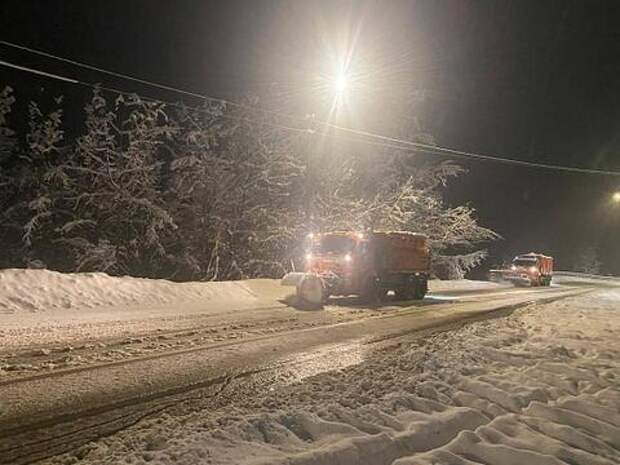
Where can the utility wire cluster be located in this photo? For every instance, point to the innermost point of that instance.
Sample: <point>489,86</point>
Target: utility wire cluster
<point>360,135</point>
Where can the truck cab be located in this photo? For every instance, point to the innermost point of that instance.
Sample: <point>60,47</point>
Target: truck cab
<point>342,259</point>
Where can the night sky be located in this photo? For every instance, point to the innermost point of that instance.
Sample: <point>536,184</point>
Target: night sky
<point>532,80</point>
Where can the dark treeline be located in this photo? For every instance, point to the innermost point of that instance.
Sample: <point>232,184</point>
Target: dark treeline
<point>219,192</point>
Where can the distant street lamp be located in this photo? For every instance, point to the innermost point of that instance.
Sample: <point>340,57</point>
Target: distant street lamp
<point>616,197</point>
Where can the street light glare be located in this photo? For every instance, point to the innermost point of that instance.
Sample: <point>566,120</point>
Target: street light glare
<point>340,84</point>
<point>616,197</point>
<point>339,87</point>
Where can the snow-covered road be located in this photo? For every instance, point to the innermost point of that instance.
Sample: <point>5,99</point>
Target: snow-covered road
<point>200,365</point>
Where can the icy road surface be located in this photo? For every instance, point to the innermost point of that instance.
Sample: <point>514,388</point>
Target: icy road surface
<point>260,382</point>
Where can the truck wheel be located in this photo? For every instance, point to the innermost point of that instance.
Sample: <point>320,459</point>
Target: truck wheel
<point>420,290</point>
<point>404,293</point>
<point>372,294</point>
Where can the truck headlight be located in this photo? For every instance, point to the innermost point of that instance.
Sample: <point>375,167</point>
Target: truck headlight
<point>513,267</point>
<point>533,269</point>
<point>348,258</point>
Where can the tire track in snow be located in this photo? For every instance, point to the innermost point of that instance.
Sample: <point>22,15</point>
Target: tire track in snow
<point>397,314</point>
<point>94,413</point>
<point>444,414</point>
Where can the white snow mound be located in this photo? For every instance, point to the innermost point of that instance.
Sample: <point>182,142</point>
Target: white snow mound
<point>24,290</point>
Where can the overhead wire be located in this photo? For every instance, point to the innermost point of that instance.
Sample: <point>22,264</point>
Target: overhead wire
<point>471,155</point>
<point>71,80</point>
<point>100,70</point>
<point>391,142</point>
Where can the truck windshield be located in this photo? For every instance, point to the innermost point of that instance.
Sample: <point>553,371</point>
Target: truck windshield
<point>334,245</point>
<point>524,262</point>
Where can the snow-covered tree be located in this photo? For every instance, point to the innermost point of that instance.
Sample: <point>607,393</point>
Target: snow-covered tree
<point>119,222</point>
<point>37,182</point>
<point>233,181</point>
<point>588,261</point>
<point>216,192</point>
<point>8,152</point>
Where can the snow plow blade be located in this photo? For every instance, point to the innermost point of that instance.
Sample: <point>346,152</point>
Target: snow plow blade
<point>309,288</point>
<point>292,279</point>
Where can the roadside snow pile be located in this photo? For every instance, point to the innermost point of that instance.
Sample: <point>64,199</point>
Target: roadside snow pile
<point>569,278</point>
<point>34,291</point>
<point>23,290</point>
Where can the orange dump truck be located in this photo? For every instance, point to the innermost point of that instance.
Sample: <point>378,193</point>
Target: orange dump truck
<point>530,269</point>
<point>368,265</point>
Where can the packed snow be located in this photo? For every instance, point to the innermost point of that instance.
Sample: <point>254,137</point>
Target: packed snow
<point>539,387</point>
<point>437,285</point>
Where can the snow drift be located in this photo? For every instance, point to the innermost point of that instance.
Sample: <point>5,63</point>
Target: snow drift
<point>23,290</point>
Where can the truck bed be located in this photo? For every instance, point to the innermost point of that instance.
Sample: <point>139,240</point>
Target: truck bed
<point>402,252</point>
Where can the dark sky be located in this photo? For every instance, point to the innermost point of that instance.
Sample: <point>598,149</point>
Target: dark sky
<point>533,80</point>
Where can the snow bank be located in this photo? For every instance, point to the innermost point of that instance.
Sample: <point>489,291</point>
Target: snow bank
<point>34,291</point>
<point>23,290</point>
<point>568,278</point>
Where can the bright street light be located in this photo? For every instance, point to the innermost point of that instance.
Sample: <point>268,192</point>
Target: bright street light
<point>338,87</point>
<point>340,84</point>
<point>616,197</point>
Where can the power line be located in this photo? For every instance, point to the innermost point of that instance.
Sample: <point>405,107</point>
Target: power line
<point>473,155</point>
<point>40,73</point>
<point>70,80</point>
<point>151,99</point>
<point>401,144</point>
<point>130,78</point>
<point>148,82</point>
<point>101,70</point>
<point>142,81</point>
